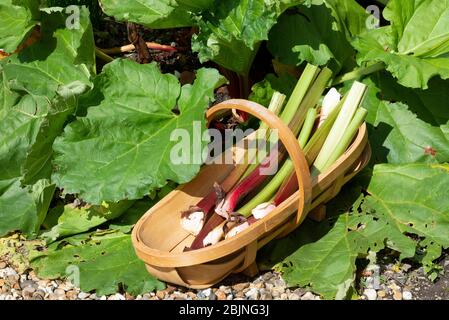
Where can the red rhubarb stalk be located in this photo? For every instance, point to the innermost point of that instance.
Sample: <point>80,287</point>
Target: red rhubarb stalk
<point>251,182</point>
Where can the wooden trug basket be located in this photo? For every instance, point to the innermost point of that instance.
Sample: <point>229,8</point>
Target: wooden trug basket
<point>159,240</point>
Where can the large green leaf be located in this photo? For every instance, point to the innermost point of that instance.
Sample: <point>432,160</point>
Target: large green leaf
<point>121,149</point>
<point>429,105</point>
<point>398,136</point>
<point>63,56</point>
<point>351,17</point>
<point>310,35</point>
<point>413,51</point>
<point>18,18</point>
<point>231,33</point>
<point>23,208</point>
<point>154,14</point>
<point>97,262</point>
<point>73,220</point>
<point>413,200</point>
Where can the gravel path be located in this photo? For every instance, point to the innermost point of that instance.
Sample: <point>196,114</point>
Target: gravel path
<point>385,280</point>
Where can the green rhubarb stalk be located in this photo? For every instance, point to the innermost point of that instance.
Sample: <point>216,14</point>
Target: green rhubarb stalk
<point>308,126</point>
<point>276,104</point>
<point>313,147</point>
<point>302,87</point>
<point>350,132</point>
<point>360,72</point>
<point>342,122</point>
<point>310,100</point>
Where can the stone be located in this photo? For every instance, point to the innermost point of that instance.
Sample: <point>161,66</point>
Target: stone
<point>27,293</point>
<point>267,276</point>
<point>59,292</point>
<point>28,283</point>
<point>71,294</point>
<point>83,295</point>
<point>308,296</point>
<point>240,286</point>
<point>220,295</point>
<point>370,294</point>
<point>2,265</point>
<point>160,294</point>
<point>397,295</point>
<point>42,283</point>
<point>212,296</point>
<point>407,295</point>
<point>294,296</point>
<point>252,294</point>
<point>299,291</point>
<point>191,295</point>
<point>279,283</point>
<point>266,296</point>
<point>40,293</point>
<point>53,296</point>
<point>259,285</point>
<point>284,296</point>
<point>277,291</point>
<point>128,296</point>
<point>381,294</point>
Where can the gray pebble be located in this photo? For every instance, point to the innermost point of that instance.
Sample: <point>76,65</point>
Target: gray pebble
<point>370,294</point>
<point>308,296</point>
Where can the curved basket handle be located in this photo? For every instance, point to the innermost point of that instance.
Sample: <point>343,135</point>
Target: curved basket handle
<point>287,138</point>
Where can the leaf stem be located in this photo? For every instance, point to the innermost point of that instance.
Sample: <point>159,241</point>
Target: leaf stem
<point>358,73</point>
<point>103,56</point>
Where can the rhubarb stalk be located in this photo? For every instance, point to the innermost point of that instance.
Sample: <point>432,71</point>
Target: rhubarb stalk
<point>345,116</point>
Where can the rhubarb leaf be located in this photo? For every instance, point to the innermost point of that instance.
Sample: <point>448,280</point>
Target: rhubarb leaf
<point>72,220</point>
<point>262,91</point>
<point>18,18</point>
<point>128,219</point>
<point>429,105</point>
<point>38,68</point>
<point>398,136</point>
<point>102,262</point>
<point>231,33</point>
<point>412,51</point>
<point>156,14</point>
<point>351,17</point>
<point>413,200</point>
<point>23,208</point>
<point>322,44</point>
<point>122,148</point>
